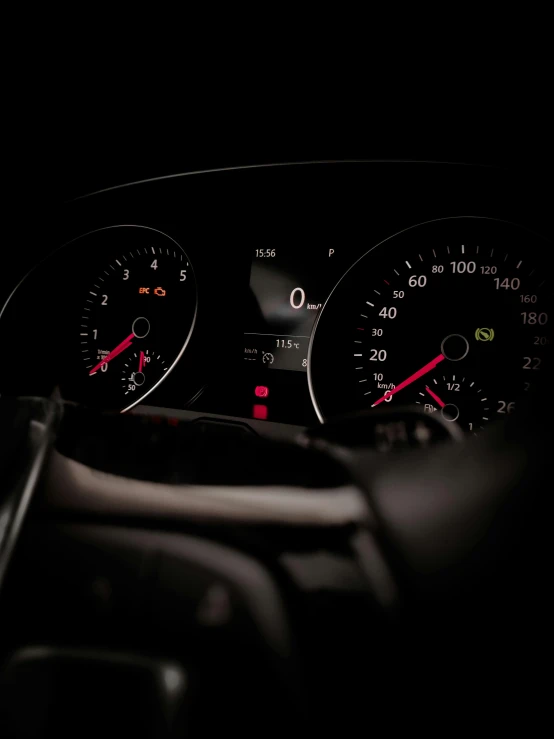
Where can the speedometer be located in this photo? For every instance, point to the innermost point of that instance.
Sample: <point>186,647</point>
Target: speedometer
<point>451,315</point>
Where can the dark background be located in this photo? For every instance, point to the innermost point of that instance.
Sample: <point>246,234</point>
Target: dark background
<point>74,129</point>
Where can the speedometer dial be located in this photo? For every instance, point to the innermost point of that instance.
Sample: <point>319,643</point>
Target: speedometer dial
<point>457,306</point>
<point>136,317</point>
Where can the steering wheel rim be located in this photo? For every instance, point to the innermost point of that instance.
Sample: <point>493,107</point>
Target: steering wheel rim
<point>394,548</point>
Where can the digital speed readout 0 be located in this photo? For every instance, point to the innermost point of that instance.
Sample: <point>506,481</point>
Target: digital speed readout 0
<point>288,287</point>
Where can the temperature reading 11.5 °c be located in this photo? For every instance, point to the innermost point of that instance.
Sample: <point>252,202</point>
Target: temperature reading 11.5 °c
<point>287,290</point>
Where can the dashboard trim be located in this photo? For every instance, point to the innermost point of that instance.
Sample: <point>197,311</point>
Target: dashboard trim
<point>270,165</point>
<point>72,485</point>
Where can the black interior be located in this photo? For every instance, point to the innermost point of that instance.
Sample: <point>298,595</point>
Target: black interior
<point>190,569</point>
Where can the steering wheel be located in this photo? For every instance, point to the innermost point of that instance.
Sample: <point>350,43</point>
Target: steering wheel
<point>162,578</point>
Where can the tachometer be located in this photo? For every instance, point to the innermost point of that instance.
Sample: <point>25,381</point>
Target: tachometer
<point>136,317</point>
<point>452,315</point>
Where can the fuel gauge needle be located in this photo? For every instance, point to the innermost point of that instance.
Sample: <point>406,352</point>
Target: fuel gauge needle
<point>118,349</point>
<point>435,396</point>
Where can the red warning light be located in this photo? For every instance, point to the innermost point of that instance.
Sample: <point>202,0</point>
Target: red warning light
<point>261,391</point>
<point>259,412</point>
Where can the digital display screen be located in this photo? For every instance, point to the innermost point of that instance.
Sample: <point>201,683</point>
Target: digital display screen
<point>288,287</point>
<point>286,294</point>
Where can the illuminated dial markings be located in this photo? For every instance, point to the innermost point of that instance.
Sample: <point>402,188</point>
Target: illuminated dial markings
<point>137,317</point>
<point>457,398</point>
<point>458,345</point>
<point>142,370</point>
<point>460,296</point>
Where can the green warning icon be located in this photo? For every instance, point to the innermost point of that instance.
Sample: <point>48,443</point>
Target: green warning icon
<point>484,334</point>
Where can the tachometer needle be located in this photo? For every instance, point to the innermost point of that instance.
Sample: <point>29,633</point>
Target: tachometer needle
<point>435,396</point>
<point>412,378</point>
<point>118,349</point>
<point>141,361</point>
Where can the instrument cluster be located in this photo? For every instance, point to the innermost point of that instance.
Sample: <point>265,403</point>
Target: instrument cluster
<point>288,295</point>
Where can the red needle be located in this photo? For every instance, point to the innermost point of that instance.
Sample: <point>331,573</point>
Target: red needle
<point>118,349</point>
<point>435,396</point>
<point>423,371</point>
<point>141,361</point>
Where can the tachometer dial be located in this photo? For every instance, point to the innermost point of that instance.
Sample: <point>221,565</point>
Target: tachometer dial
<point>140,307</point>
<point>463,297</point>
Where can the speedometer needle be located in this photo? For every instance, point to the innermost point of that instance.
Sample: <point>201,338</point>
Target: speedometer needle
<point>412,378</point>
<point>141,361</point>
<point>118,349</point>
<point>435,396</point>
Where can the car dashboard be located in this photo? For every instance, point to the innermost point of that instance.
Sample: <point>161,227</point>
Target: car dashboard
<point>277,439</point>
<point>279,297</point>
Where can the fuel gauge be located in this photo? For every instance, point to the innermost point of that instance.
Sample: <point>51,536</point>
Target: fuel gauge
<point>458,399</point>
